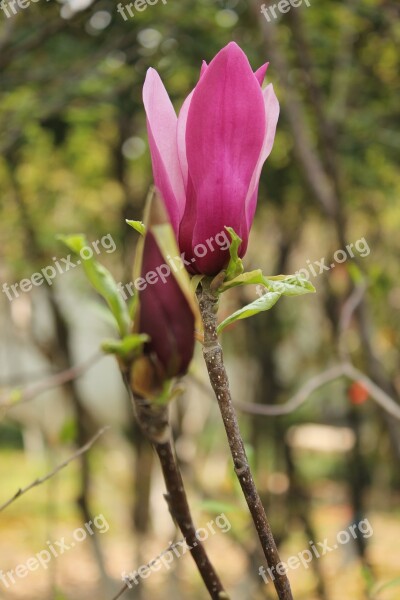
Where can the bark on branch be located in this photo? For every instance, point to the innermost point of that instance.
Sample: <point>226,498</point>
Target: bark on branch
<point>213,357</point>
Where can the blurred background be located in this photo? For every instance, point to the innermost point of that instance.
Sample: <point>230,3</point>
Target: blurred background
<point>75,158</point>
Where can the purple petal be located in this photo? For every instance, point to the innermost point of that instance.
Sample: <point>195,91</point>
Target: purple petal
<point>165,315</point>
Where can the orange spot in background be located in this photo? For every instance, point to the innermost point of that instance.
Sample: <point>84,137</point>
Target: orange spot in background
<point>357,393</point>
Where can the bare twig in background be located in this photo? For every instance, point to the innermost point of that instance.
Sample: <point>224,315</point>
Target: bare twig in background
<point>345,369</point>
<point>122,591</point>
<point>19,396</point>
<point>129,580</point>
<point>304,146</point>
<point>295,401</point>
<point>61,466</point>
<point>347,312</point>
<point>342,370</point>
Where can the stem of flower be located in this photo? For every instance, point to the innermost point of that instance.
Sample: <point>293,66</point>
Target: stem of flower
<point>153,421</point>
<point>212,351</point>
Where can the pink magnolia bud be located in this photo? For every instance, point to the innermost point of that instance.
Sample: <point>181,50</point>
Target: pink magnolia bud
<point>166,310</point>
<point>207,162</point>
<point>165,314</point>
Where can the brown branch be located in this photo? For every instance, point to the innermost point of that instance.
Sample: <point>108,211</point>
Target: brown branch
<point>154,423</point>
<point>180,512</point>
<point>66,462</point>
<point>213,357</point>
<point>18,397</point>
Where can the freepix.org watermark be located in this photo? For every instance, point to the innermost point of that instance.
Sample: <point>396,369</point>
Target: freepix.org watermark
<point>138,6</point>
<point>318,267</point>
<point>176,263</point>
<point>12,7</point>
<point>269,12</point>
<point>176,550</point>
<point>316,550</point>
<point>59,266</point>
<point>53,550</point>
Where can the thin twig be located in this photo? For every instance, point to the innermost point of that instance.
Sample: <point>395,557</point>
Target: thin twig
<point>122,591</point>
<point>377,393</point>
<point>31,391</point>
<point>299,398</point>
<point>346,314</point>
<point>213,357</point>
<point>302,395</point>
<point>41,480</point>
<point>129,580</point>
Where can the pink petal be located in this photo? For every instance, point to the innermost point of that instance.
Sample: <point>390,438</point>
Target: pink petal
<point>271,114</point>
<point>260,73</point>
<point>181,137</point>
<point>181,132</point>
<point>224,137</point>
<point>162,130</point>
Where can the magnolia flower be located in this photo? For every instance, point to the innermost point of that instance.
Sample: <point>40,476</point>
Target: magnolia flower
<point>165,315</point>
<point>165,311</point>
<point>207,162</point>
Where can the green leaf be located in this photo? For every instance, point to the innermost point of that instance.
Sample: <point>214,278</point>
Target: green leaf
<point>355,273</point>
<point>289,285</point>
<point>261,304</point>
<point>251,277</point>
<point>169,392</point>
<point>74,242</point>
<point>68,431</point>
<point>16,396</point>
<point>102,281</point>
<point>129,347</point>
<point>276,286</point>
<point>137,225</point>
<point>235,266</point>
<point>194,282</point>
<point>132,306</point>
